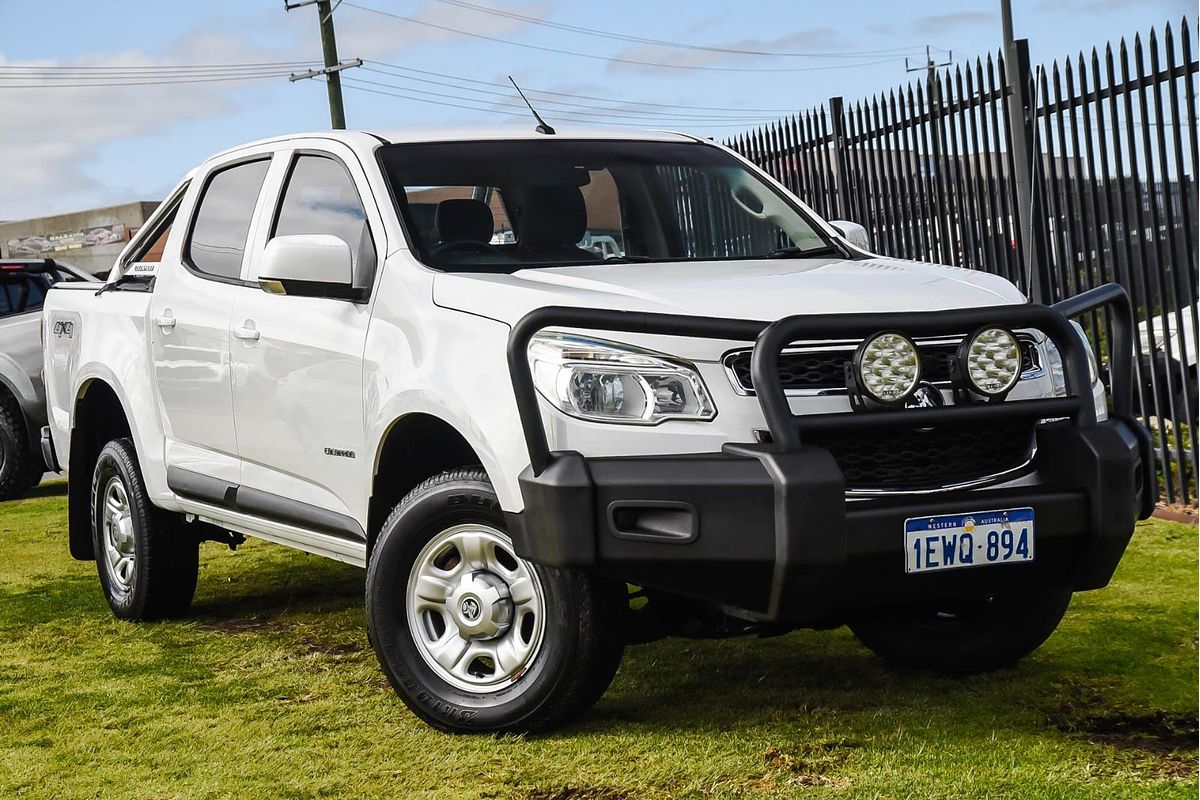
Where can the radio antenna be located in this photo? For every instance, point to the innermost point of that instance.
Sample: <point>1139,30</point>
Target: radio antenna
<point>542,126</point>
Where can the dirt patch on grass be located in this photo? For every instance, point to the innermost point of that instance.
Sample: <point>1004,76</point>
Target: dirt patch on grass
<point>812,764</point>
<point>576,793</point>
<point>1165,741</point>
<point>303,645</point>
<point>334,649</point>
<point>1159,732</point>
<point>239,625</point>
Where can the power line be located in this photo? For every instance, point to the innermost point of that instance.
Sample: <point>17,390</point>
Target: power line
<point>141,75</point>
<point>591,109</point>
<point>352,84</point>
<point>150,67</point>
<point>581,96</point>
<point>607,114</point>
<point>60,76</point>
<point>616,59</point>
<point>624,37</point>
<point>119,82</point>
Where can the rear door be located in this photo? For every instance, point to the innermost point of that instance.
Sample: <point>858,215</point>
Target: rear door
<point>298,361</point>
<point>196,285</point>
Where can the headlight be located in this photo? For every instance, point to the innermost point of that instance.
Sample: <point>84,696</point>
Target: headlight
<point>887,367</point>
<point>991,361</point>
<point>1058,378</point>
<point>608,382</point>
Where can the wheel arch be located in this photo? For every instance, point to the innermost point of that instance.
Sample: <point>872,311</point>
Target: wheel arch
<point>98,415</point>
<point>414,447</point>
<point>11,390</point>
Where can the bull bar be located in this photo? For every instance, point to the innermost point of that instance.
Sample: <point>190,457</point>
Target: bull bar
<point>766,526</point>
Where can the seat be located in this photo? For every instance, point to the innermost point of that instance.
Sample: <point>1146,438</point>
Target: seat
<point>463,220</point>
<point>551,223</point>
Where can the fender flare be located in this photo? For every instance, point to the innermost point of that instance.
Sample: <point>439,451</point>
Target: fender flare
<point>408,404</point>
<point>8,368</point>
<point>99,372</point>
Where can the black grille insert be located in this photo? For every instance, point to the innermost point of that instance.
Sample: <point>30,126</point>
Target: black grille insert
<point>910,458</point>
<point>825,369</point>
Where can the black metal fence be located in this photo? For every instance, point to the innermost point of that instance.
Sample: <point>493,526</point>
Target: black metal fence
<point>1058,178</point>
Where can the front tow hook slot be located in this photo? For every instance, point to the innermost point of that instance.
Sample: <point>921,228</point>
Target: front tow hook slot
<point>665,521</point>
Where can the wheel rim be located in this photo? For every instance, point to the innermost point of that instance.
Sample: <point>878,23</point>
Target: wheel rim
<point>475,611</point>
<point>120,554</point>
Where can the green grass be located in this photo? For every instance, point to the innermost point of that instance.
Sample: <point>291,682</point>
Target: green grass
<point>270,690</point>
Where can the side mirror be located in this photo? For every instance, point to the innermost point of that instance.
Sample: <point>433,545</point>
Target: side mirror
<point>308,265</point>
<point>853,233</point>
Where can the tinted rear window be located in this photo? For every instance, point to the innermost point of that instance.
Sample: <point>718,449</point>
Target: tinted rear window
<point>21,295</point>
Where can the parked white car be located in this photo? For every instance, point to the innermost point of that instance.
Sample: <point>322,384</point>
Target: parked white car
<point>1168,364</point>
<point>738,417</point>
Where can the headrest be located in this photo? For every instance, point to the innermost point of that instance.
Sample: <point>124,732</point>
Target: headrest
<point>553,216</point>
<point>463,220</point>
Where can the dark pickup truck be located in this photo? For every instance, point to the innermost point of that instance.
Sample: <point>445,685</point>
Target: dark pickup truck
<point>23,287</point>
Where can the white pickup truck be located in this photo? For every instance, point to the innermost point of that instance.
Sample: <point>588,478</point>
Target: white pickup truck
<point>394,350</point>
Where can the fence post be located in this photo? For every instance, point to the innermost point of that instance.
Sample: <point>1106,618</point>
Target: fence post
<point>837,123</point>
<point>1021,143</point>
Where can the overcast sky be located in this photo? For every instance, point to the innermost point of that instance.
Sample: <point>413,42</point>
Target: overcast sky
<point>75,147</point>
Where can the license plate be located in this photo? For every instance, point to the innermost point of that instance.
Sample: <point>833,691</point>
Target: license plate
<point>955,541</point>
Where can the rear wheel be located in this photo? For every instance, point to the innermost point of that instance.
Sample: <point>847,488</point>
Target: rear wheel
<point>474,638</point>
<point>966,636</point>
<point>20,467</point>
<point>148,566</point>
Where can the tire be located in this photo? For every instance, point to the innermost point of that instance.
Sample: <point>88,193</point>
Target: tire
<point>148,566</point>
<point>976,636</point>
<point>20,467</point>
<point>564,640</point>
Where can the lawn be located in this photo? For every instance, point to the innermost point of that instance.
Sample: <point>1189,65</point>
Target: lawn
<point>270,690</point>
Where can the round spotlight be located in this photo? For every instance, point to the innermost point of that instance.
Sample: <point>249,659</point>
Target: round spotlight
<point>887,367</point>
<point>991,361</point>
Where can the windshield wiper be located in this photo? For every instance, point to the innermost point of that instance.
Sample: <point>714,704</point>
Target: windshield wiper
<point>628,259</point>
<point>799,252</point>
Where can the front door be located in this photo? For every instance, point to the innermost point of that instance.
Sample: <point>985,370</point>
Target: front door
<point>298,361</point>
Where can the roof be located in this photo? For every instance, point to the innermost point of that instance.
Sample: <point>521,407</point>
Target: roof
<point>526,131</point>
<point>467,134</point>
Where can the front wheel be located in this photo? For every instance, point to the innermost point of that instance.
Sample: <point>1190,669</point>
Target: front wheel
<point>965,636</point>
<point>472,637</point>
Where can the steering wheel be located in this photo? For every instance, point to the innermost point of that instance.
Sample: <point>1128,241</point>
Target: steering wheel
<point>480,248</point>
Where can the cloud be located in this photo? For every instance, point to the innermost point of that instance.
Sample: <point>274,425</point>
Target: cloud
<point>940,23</point>
<point>53,137</point>
<point>821,40</point>
<point>1088,5</point>
<point>364,34</point>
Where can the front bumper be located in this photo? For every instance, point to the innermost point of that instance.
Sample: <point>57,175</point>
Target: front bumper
<point>769,528</point>
<point>773,533</point>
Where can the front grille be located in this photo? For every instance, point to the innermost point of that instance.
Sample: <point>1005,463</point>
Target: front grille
<point>900,459</point>
<point>824,370</point>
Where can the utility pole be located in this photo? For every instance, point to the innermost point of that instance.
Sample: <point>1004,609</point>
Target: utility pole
<point>933,91</point>
<point>333,81</point>
<point>1020,143</point>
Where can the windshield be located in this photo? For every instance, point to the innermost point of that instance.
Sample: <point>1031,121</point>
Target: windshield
<point>507,205</point>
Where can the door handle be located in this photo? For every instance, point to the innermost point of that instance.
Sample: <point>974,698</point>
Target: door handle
<point>165,321</point>
<point>247,333</point>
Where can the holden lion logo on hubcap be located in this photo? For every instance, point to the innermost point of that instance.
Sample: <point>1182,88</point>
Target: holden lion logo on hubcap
<point>470,609</point>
